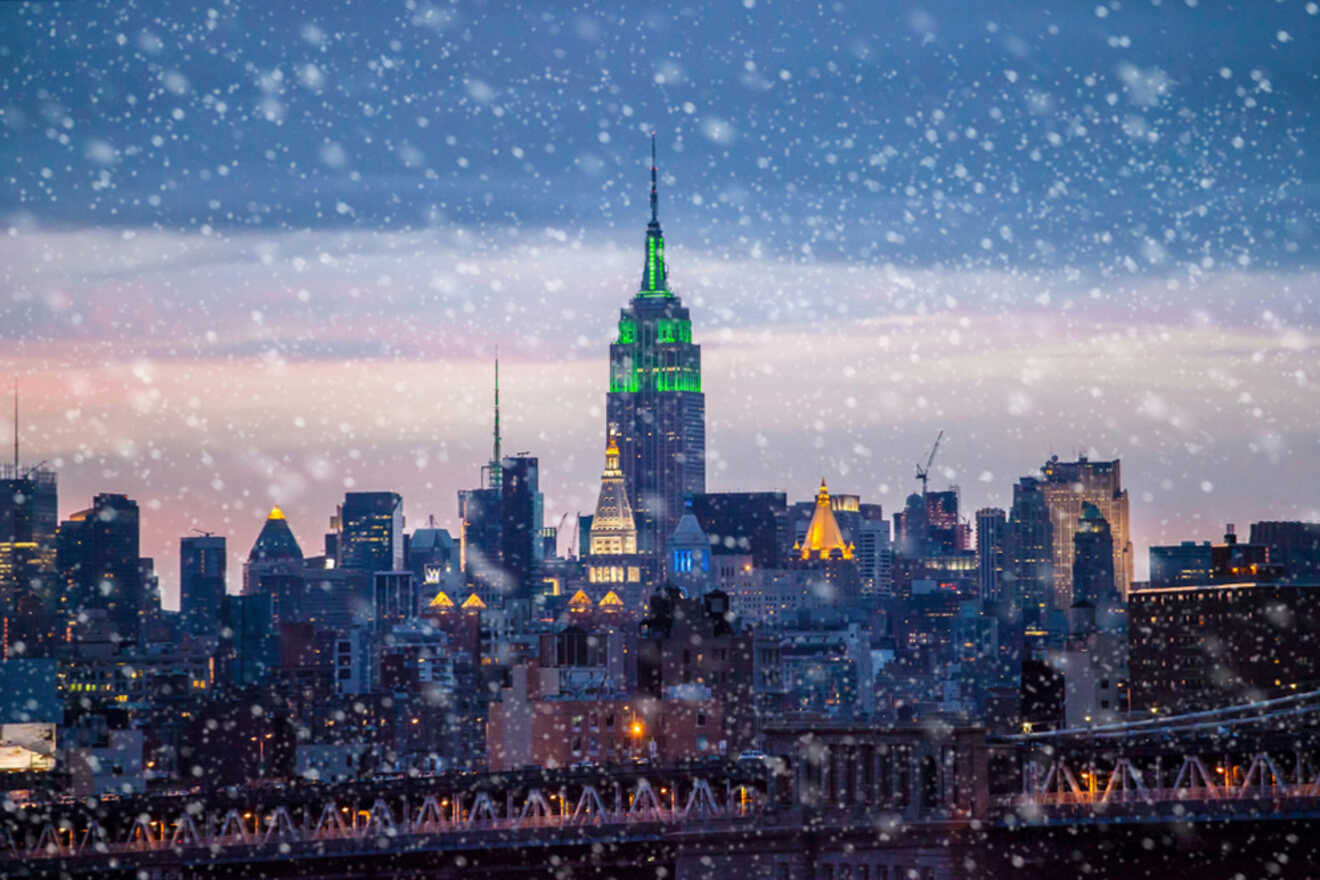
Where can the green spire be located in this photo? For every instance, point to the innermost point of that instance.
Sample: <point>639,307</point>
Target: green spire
<point>653,271</point>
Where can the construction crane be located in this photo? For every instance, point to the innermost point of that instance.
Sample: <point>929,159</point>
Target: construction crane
<point>572,547</point>
<point>204,533</point>
<point>923,473</point>
<point>560,528</point>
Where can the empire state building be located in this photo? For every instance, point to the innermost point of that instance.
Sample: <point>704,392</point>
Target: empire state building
<point>655,406</point>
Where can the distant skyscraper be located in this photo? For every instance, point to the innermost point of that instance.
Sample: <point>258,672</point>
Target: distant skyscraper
<point>655,402</point>
<point>521,518</point>
<point>275,551</point>
<point>97,557</point>
<point>613,560</point>
<point>201,582</point>
<point>28,521</point>
<point>1067,486</point>
<point>991,531</point>
<point>481,522</point>
<point>1093,568</point>
<point>1029,553</point>
<point>945,532</point>
<point>29,518</point>
<point>371,532</point>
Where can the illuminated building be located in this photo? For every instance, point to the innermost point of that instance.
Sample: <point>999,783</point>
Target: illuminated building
<point>28,522</point>
<point>824,559</point>
<point>687,557</point>
<point>655,402</point>
<point>201,582</point>
<point>945,532</point>
<point>1067,485</point>
<point>1202,647</point>
<point>275,550</point>
<point>371,531</point>
<point>613,561</point>
<point>432,556</point>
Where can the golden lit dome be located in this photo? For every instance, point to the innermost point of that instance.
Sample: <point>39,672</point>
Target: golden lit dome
<point>824,536</point>
<point>275,513</point>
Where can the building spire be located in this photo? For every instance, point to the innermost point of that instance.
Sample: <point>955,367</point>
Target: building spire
<point>655,191</point>
<point>15,427</point>
<point>653,271</point>
<point>496,462</point>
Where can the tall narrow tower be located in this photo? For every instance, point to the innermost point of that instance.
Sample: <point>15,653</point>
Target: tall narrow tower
<point>655,406</point>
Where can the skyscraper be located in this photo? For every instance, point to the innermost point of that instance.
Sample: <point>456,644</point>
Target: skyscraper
<point>1067,486</point>
<point>655,404</point>
<point>28,521</point>
<point>97,556</point>
<point>991,528</point>
<point>1029,553</point>
<point>371,532</point>
<point>521,517</point>
<point>613,559</point>
<point>201,582</point>
<point>275,551</point>
<point>1093,567</point>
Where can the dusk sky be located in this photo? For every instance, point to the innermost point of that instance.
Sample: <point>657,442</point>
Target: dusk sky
<point>259,253</point>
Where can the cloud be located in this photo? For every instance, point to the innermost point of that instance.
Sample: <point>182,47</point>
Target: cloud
<point>167,387</point>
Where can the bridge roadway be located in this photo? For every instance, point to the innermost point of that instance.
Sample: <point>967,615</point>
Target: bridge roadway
<point>838,800</point>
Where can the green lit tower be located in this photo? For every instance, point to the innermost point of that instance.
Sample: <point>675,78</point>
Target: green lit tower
<point>655,406</point>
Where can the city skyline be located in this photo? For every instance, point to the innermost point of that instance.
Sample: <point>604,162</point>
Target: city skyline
<point>292,305</point>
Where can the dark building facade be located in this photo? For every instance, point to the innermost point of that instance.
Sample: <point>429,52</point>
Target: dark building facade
<point>1029,553</point>
<point>1294,547</point>
<point>745,523</point>
<point>201,582</point>
<point>481,541</point>
<point>521,518</point>
<point>97,553</point>
<point>991,532</point>
<point>1195,648</point>
<point>1093,569</point>
<point>371,531</point>
<point>655,405</point>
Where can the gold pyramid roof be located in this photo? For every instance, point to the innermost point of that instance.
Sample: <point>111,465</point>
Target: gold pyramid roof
<point>473,601</point>
<point>824,537</point>
<point>441,600</point>
<point>580,601</point>
<point>611,600</point>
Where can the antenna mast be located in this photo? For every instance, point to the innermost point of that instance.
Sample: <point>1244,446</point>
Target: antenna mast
<point>496,464</point>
